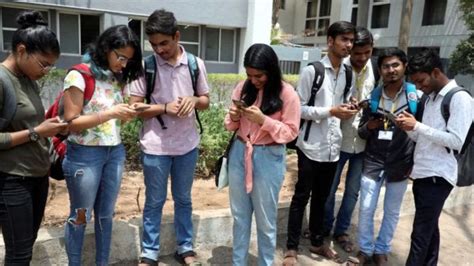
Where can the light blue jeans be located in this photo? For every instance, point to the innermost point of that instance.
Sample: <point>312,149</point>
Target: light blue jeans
<point>351,193</point>
<point>268,173</point>
<point>369,195</point>
<point>93,177</point>
<point>156,169</point>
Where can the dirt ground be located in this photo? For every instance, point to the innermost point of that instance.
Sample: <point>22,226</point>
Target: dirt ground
<point>131,198</point>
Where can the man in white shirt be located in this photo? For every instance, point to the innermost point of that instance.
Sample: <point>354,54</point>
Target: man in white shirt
<point>435,167</point>
<point>319,153</point>
<point>353,146</point>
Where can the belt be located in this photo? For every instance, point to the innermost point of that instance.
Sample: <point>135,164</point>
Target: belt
<point>268,144</point>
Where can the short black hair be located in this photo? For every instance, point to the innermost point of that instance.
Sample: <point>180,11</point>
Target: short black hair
<point>339,28</point>
<point>425,61</point>
<point>389,52</point>
<point>363,37</point>
<point>161,21</point>
<point>35,34</point>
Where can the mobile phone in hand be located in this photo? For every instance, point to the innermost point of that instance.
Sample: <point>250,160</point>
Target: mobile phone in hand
<point>240,103</point>
<point>391,117</point>
<point>363,104</point>
<point>141,108</point>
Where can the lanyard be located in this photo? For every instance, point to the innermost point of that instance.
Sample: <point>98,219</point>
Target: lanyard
<point>360,80</point>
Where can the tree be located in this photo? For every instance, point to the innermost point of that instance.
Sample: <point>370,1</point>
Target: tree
<point>275,12</point>
<point>462,59</point>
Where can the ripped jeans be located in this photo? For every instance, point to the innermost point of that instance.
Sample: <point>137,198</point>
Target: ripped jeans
<point>93,176</point>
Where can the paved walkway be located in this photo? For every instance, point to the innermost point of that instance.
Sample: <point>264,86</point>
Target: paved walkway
<point>457,244</point>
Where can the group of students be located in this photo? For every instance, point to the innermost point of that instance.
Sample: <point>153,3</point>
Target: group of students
<point>169,140</point>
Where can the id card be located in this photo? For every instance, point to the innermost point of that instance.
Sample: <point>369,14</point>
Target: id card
<point>385,135</point>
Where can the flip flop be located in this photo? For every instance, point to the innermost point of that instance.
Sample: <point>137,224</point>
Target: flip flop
<point>181,258</point>
<point>326,252</point>
<point>291,258</point>
<point>344,242</point>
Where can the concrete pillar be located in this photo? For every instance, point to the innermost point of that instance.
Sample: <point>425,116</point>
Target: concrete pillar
<point>258,29</point>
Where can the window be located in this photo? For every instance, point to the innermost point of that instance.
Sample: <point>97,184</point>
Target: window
<point>9,24</point>
<point>220,44</point>
<point>355,6</point>
<point>282,4</point>
<point>136,26</point>
<point>317,17</point>
<point>434,12</point>
<point>77,31</point>
<point>380,14</point>
<point>189,38</point>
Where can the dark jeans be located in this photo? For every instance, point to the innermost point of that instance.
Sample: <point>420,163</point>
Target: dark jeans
<point>315,180</point>
<point>430,194</point>
<point>22,203</point>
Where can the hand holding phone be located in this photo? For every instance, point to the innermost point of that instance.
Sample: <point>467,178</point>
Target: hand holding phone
<point>391,117</point>
<point>363,104</point>
<point>141,108</point>
<point>240,103</point>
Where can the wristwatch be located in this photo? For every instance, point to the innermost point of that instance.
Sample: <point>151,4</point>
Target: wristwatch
<point>33,135</point>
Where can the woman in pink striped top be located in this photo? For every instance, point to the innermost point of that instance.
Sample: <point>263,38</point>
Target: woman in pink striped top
<point>267,119</point>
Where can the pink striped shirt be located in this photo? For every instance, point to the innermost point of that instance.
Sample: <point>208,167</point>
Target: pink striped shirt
<point>279,127</point>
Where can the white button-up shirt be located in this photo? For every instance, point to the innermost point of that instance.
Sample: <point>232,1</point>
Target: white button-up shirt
<point>433,136</point>
<point>325,136</point>
<point>364,83</point>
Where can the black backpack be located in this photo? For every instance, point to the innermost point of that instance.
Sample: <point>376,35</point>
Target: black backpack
<point>8,107</point>
<point>317,82</point>
<point>150,77</point>
<point>465,156</point>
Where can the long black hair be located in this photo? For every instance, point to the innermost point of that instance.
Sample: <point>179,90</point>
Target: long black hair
<point>116,37</point>
<point>262,57</point>
<point>34,33</point>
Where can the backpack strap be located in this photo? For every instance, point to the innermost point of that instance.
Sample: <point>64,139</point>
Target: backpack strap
<point>194,71</point>
<point>89,80</point>
<point>375,70</point>
<point>317,82</point>
<point>348,86</point>
<point>150,78</point>
<point>9,101</point>
<point>375,99</point>
<point>412,97</point>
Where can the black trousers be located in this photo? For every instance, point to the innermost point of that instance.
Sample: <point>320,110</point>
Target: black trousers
<point>315,180</point>
<point>22,204</point>
<point>430,194</point>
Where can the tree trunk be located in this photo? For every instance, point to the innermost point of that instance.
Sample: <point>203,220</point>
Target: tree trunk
<point>275,12</point>
<point>404,35</point>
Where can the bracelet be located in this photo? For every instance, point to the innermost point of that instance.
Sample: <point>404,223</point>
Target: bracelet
<point>165,107</point>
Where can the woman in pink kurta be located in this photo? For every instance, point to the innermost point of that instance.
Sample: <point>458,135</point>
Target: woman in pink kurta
<point>267,118</point>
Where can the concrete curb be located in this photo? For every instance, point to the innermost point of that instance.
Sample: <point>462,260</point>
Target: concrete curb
<point>212,228</point>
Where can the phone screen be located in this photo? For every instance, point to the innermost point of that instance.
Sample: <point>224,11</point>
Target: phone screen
<point>391,117</point>
<point>240,103</point>
<point>141,108</point>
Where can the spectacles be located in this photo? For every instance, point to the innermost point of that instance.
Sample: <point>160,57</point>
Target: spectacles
<point>121,58</point>
<point>44,69</point>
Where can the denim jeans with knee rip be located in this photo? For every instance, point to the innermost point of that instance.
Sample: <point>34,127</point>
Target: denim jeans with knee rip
<point>157,169</point>
<point>93,177</point>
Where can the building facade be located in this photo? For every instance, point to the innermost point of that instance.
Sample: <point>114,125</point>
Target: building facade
<point>217,31</point>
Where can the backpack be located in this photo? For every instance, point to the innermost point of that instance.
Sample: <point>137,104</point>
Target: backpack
<point>9,101</point>
<point>410,93</point>
<point>465,156</point>
<point>317,82</point>
<point>58,147</point>
<point>150,77</point>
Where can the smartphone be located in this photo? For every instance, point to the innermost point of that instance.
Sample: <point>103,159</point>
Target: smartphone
<point>391,117</point>
<point>141,108</point>
<point>363,104</point>
<point>61,119</point>
<point>240,103</point>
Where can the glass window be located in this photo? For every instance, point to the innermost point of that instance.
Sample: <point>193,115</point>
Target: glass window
<point>189,33</point>
<point>323,26</point>
<point>380,15</point>
<point>227,45</point>
<point>68,29</point>
<point>9,24</point>
<point>354,16</point>
<point>325,8</point>
<point>282,4</point>
<point>310,27</point>
<point>434,12</point>
<point>212,44</point>
<point>318,26</point>
<point>191,48</point>
<point>312,9</point>
<point>90,29</point>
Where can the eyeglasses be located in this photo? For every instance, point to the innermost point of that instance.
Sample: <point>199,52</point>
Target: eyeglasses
<point>392,65</point>
<point>121,58</point>
<point>44,69</point>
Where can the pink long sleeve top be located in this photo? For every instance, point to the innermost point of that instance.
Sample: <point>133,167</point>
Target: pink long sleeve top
<point>279,127</point>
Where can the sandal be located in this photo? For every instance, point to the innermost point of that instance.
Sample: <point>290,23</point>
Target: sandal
<point>344,242</point>
<point>291,258</point>
<point>181,258</point>
<point>360,260</point>
<point>147,261</point>
<point>326,252</point>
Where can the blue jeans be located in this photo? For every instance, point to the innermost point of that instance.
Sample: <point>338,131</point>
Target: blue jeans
<point>369,195</point>
<point>156,169</point>
<point>93,177</point>
<point>268,173</point>
<point>351,193</point>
